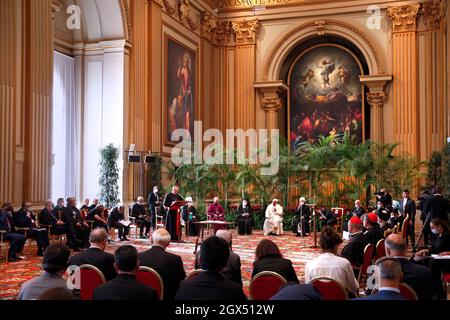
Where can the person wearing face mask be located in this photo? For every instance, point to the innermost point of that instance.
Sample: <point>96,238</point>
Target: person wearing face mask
<point>441,242</point>
<point>154,202</point>
<point>300,223</point>
<point>190,215</point>
<point>244,218</point>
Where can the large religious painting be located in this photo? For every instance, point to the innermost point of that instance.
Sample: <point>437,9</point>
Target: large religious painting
<point>326,96</point>
<point>180,88</point>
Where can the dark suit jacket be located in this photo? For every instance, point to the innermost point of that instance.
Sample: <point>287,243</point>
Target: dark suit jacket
<point>115,215</point>
<point>440,244</point>
<point>168,265</point>
<point>125,287</point>
<point>56,211</point>
<point>439,207</point>
<point>417,277</point>
<point>47,218</point>
<point>374,234</point>
<point>21,220</point>
<point>4,218</point>
<point>410,209</point>
<point>358,211</point>
<point>386,200</point>
<point>71,219</point>
<point>138,211</point>
<point>232,270</point>
<point>383,295</point>
<point>279,265</point>
<point>297,292</point>
<point>209,285</point>
<point>98,258</point>
<point>354,249</point>
<point>152,199</point>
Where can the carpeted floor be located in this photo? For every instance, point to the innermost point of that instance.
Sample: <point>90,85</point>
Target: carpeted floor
<point>299,250</point>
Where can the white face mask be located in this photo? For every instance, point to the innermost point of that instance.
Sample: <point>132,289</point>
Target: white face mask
<point>357,206</point>
<point>434,231</point>
<point>379,206</point>
<point>155,190</point>
<point>302,203</point>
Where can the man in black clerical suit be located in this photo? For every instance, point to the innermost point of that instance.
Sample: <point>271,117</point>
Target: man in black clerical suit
<point>358,211</point>
<point>25,218</point>
<point>95,255</point>
<point>173,225</point>
<point>211,284</point>
<point>97,216</point>
<point>49,220</point>
<point>168,265</point>
<point>232,270</point>
<point>125,286</point>
<point>373,231</point>
<point>141,217</point>
<point>153,202</point>
<point>78,229</point>
<point>58,209</point>
<point>354,249</point>
<point>408,207</point>
<point>416,276</point>
<point>114,218</point>
<point>94,204</point>
<point>301,219</point>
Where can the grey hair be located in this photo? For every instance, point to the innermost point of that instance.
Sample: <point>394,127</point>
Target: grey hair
<point>161,237</point>
<point>98,235</point>
<point>224,234</point>
<point>395,246</point>
<point>389,269</point>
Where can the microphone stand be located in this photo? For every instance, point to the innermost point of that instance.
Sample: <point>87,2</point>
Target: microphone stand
<point>426,222</point>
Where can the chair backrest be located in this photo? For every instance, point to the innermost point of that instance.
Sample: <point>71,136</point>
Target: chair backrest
<point>265,284</point>
<point>90,278</point>
<point>84,213</point>
<point>379,250</point>
<point>405,226</point>
<point>408,292</point>
<point>329,288</point>
<point>338,211</point>
<point>151,278</point>
<point>193,273</point>
<point>368,255</point>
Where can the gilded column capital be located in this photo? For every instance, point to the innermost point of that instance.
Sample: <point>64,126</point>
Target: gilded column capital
<point>433,11</point>
<point>246,31</point>
<point>209,26</point>
<point>376,99</point>
<point>159,2</point>
<point>271,104</point>
<point>404,18</point>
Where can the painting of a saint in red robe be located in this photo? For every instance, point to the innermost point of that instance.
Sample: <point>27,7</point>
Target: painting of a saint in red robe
<point>180,88</point>
<point>326,96</point>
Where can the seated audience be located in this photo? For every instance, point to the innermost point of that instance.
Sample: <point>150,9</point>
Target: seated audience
<point>94,204</point>
<point>300,222</point>
<point>114,220</point>
<point>388,275</point>
<point>95,255</point>
<point>168,265</point>
<point>293,291</point>
<point>125,286</point>
<point>395,219</point>
<point>373,231</point>
<point>416,276</point>
<point>329,264</point>
<point>244,218</point>
<point>358,211</point>
<point>141,218</point>
<point>211,284</point>
<point>441,242</point>
<point>58,210</point>
<point>48,219</point>
<point>56,294</point>
<point>54,265</point>
<point>268,258</point>
<point>383,219</point>
<point>216,213</point>
<point>79,230</point>
<point>98,217</point>
<point>25,218</point>
<point>16,240</point>
<point>190,216</point>
<point>354,249</point>
<point>273,225</point>
<point>232,270</point>
<point>85,205</point>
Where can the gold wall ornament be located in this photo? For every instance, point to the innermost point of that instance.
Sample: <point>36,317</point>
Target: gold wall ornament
<point>404,18</point>
<point>222,33</point>
<point>434,11</point>
<point>182,11</point>
<point>271,103</point>
<point>209,26</point>
<point>245,31</point>
<point>320,27</point>
<point>376,99</point>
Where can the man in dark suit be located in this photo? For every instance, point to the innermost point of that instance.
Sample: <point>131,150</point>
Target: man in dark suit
<point>232,270</point>
<point>78,229</point>
<point>385,198</point>
<point>383,219</point>
<point>25,218</point>
<point>97,216</point>
<point>141,218</point>
<point>436,207</point>
<point>388,274</point>
<point>408,207</point>
<point>374,233</point>
<point>58,210</point>
<point>358,210</point>
<point>168,265</point>
<point>17,241</point>
<point>94,204</point>
<point>211,284</point>
<point>354,249</point>
<point>114,220</point>
<point>153,201</point>
<point>52,222</point>
<point>96,255</point>
<point>294,291</point>
<point>125,286</point>
<point>416,276</point>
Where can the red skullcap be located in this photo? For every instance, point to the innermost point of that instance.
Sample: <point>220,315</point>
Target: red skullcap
<point>355,220</point>
<point>372,217</point>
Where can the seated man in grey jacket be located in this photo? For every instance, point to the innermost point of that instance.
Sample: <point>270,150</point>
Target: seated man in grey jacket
<point>54,264</point>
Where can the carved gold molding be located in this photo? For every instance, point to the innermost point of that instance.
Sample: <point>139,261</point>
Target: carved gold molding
<point>245,31</point>
<point>376,99</point>
<point>182,12</point>
<point>320,27</point>
<point>433,12</point>
<point>404,18</point>
<point>271,104</point>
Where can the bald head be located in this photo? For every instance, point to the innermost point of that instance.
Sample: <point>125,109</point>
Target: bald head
<point>224,234</point>
<point>161,237</point>
<point>395,245</point>
<point>98,238</point>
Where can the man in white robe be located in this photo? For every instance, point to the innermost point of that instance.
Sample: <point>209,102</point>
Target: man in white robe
<point>274,219</point>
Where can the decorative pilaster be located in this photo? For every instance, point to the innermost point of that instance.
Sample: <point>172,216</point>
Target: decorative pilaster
<point>245,32</point>
<point>405,68</point>
<point>376,99</point>
<point>271,100</point>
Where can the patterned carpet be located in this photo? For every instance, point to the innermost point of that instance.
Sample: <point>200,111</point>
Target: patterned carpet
<point>299,250</point>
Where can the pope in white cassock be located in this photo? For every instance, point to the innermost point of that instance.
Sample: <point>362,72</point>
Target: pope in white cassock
<point>274,219</point>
